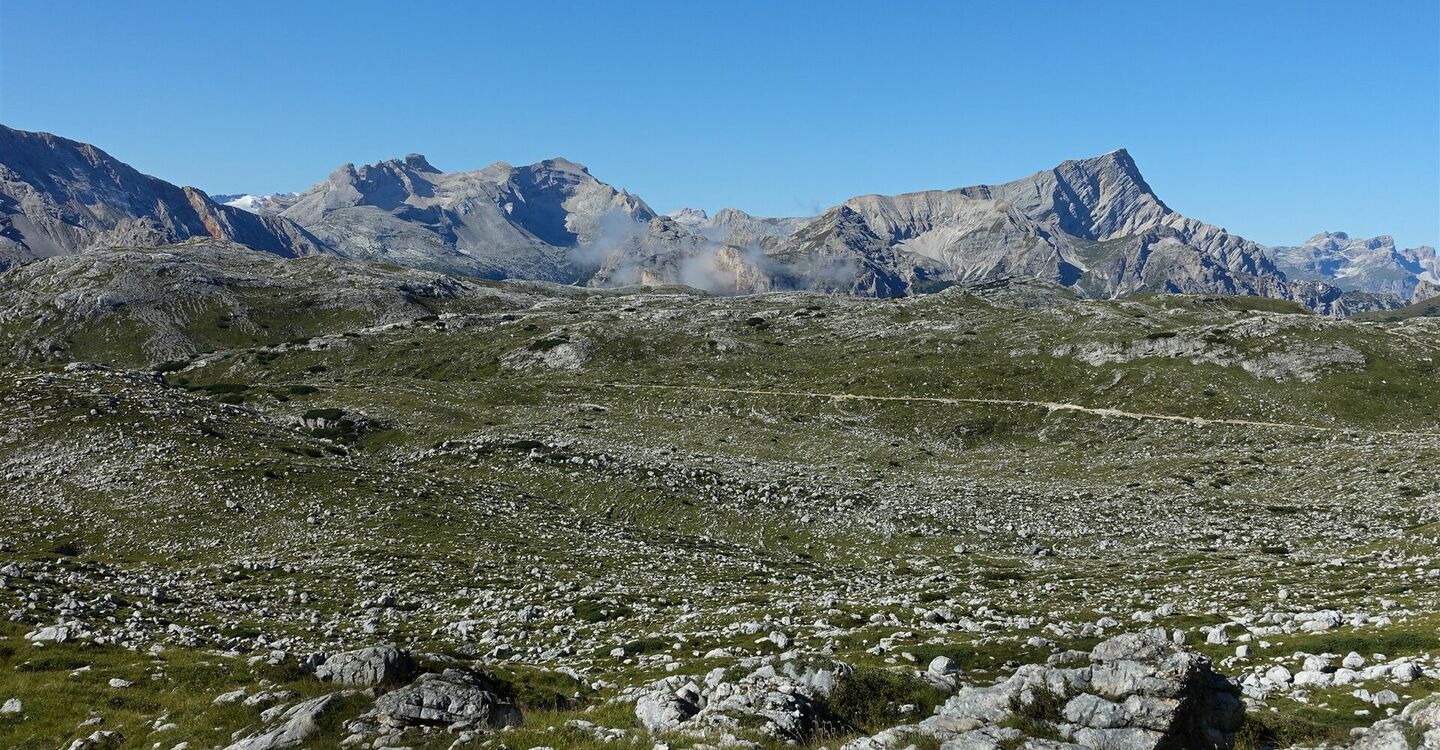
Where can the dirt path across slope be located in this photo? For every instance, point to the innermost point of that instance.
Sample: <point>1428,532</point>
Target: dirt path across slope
<point>1050,406</point>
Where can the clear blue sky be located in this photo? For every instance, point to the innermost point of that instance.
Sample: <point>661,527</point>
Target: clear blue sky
<point>1273,119</point>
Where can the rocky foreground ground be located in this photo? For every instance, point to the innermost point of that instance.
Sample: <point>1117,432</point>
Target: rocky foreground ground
<point>240,511</point>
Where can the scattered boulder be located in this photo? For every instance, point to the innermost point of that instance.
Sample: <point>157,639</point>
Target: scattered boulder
<point>943,665</point>
<point>1416,728</point>
<point>103,739</point>
<point>368,667</point>
<point>231,697</point>
<point>557,351</point>
<point>67,631</point>
<point>452,697</point>
<point>661,710</point>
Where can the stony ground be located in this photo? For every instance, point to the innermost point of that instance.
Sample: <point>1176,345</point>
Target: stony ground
<point>601,501</point>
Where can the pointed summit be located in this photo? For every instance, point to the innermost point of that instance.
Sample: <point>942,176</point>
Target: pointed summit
<point>1119,158</point>
<point>1094,199</point>
<point>1116,169</point>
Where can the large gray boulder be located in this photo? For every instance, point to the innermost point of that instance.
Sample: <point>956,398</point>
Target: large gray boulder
<point>662,710</point>
<point>785,710</point>
<point>368,667</point>
<point>1145,690</point>
<point>452,697</point>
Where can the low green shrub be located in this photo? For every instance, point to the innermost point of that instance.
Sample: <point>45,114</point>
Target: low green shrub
<point>870,699</point>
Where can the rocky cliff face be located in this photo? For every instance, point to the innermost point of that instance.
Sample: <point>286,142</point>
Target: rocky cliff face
<point>536,222</point>
<point>731,226</point>
<point>1094,225</point>
<point>59,197</point>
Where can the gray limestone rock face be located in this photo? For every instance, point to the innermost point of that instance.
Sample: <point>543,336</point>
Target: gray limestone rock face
<point>61,197</point>
<point>785,707</point>
<point>1161,689</point>
<point>660,711</point>
<point>551,220</point>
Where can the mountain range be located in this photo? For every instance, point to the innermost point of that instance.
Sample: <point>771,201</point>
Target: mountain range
<point>1369,265</point>
<point>1092,225</point>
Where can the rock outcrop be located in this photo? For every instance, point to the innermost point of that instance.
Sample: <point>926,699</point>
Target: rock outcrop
<point>453,697</point>
<point>293,727</point>
<point>102,739</point>
<point>189,297</point>
<point>788,707</point>
<point>1416,728</point>
<point>368,667</point>
<point>1132,692</point>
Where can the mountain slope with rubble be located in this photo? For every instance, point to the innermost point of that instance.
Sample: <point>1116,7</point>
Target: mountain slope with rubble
<point>251,501</point>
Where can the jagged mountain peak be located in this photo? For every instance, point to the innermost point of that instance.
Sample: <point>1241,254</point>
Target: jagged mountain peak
<point>1118,161</point>
<point>419,163</point>
<point>1338,239</point>
<point>410,163</point>
<point>689,216</point>
<point>500,221</point>
<point>553,171</point>
<point>560,164</point>
<point>272,203</point>
<point>731,214</point>
<point>1098,198</point>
